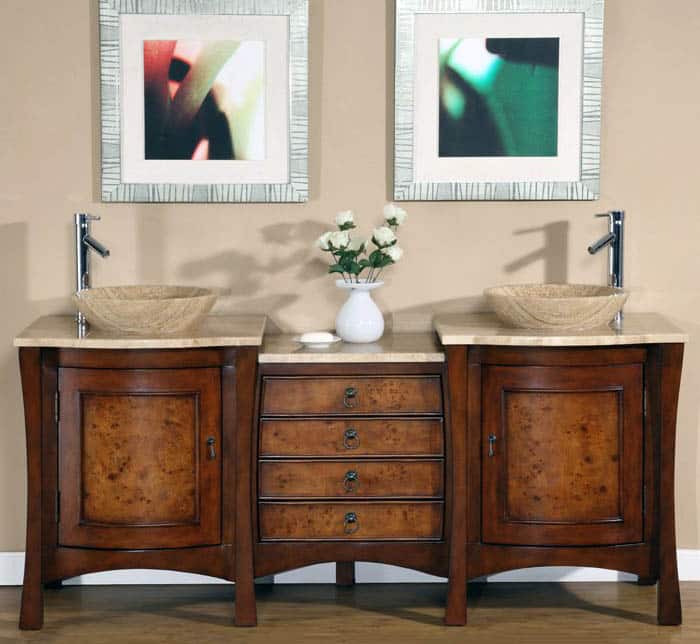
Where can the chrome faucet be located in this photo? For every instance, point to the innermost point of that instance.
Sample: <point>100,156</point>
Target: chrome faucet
<point>615,241</point>
<point>84,243</point>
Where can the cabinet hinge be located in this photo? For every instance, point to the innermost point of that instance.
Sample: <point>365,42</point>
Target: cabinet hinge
<point>56,407</point>
<point>58,506</point>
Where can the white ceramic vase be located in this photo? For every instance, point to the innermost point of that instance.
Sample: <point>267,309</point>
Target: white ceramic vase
<point>359,320</point>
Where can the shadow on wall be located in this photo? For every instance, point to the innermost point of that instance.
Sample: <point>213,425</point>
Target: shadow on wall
<point>18,312</point>
<point>554,252</point>
<point>419,319</point>
<point>248,274</point>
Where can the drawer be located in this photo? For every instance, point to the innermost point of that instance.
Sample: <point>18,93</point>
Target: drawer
<point>342,438</point>
<point>387,521</point>
<point>347,395</point>
<point>299,479</point>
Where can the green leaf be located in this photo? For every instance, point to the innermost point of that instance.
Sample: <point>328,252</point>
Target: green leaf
<point>336,268</point>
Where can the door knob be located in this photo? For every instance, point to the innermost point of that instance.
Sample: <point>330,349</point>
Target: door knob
<point>211,442</point>
<point>492,444</point>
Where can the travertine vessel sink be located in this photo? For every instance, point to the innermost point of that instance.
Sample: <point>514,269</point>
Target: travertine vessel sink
<point>145,310</point>
<point>556,306</point>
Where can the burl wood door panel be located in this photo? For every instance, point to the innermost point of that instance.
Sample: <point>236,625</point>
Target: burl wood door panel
<point>562,451</point>
<point>352,438</point>
<point>368,521</point>
<point>354,479</point>
<point>351,395</point>
<point>139,458</point>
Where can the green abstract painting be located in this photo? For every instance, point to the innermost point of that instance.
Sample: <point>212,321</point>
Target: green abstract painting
<point>499,97</point>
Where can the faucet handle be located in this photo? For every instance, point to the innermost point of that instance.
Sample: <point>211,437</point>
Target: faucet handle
<point>85,217</point>
<point>614,215</point>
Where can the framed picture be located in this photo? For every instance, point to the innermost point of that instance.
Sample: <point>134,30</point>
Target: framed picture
<point>498,100</point>
<point>204,100</point>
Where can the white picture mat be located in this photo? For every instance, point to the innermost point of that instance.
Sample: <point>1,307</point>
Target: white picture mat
<point>273,30</point>
<point>429,167</point>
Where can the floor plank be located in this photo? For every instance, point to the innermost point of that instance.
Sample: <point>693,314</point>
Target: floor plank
<point>405,613</point>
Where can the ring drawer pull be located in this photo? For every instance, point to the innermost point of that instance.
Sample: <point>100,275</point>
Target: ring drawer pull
<point>351,524</point>
<point>350,398</point>
<point>351,439</point>
<point>351,481</point>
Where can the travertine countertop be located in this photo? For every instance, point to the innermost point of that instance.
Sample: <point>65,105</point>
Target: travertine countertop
<point>60,331</point>
<point>393,347</point>
<point>486,329</point>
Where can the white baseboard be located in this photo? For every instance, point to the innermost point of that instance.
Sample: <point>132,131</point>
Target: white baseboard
<point>12,568</point>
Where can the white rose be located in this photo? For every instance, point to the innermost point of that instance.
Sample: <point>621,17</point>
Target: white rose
<point>357,244</point>
<point>383,236</point>
<point>322,241</point>
<point>345,218</point>
<point>339,240</point>
<point>394,253</point>
<point>394,214</point>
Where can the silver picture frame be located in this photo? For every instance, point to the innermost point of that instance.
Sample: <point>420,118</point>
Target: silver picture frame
<point>294,189</point>
<point>587,187</point>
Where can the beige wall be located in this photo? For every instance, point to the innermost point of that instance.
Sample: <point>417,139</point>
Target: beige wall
<point>49,161</point>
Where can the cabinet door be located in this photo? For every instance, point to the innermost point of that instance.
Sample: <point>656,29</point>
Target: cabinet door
<point>562,452</point>
<point>139,458</point>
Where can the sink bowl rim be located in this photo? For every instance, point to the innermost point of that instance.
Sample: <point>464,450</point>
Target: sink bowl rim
<point>597,291</point>
<point>99,293</point>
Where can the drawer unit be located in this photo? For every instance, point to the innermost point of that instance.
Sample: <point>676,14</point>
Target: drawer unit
<point>363,395</point>
<point>352,438</point>
<point>354,479</point>
<point>349,454</point>
<point>379,521</point>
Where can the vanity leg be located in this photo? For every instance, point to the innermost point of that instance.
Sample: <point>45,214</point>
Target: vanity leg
<point>646,581</point>
<point>242,377</point>
<point>456,425</point>
<point>54,585</point>
<point>345,573</point>
<point>668,592</point>
<point>456,610</point>
<point>32,609</point>
<point>246,613</point>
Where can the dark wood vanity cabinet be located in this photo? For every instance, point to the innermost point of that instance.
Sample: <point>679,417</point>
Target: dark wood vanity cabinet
<point>137,459</point>
<point>567,458</point>
<point>476,461</point>
<point>561,455</point>
<point>351,465</point>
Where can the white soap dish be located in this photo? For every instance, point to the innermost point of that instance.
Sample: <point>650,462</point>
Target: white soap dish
<point>317,339</point>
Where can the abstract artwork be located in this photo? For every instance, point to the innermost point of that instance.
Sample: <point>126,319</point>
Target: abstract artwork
<point>499,97</point>
<point>498,102</point>
<point>204,101</point>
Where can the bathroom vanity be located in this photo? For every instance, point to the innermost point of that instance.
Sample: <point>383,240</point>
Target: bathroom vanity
<point>352,456</point>
<point>564,447</point>
<point>137,452</point>
<point>463,453</point>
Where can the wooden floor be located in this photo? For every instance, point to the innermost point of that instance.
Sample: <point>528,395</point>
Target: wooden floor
<point>514,613</point>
